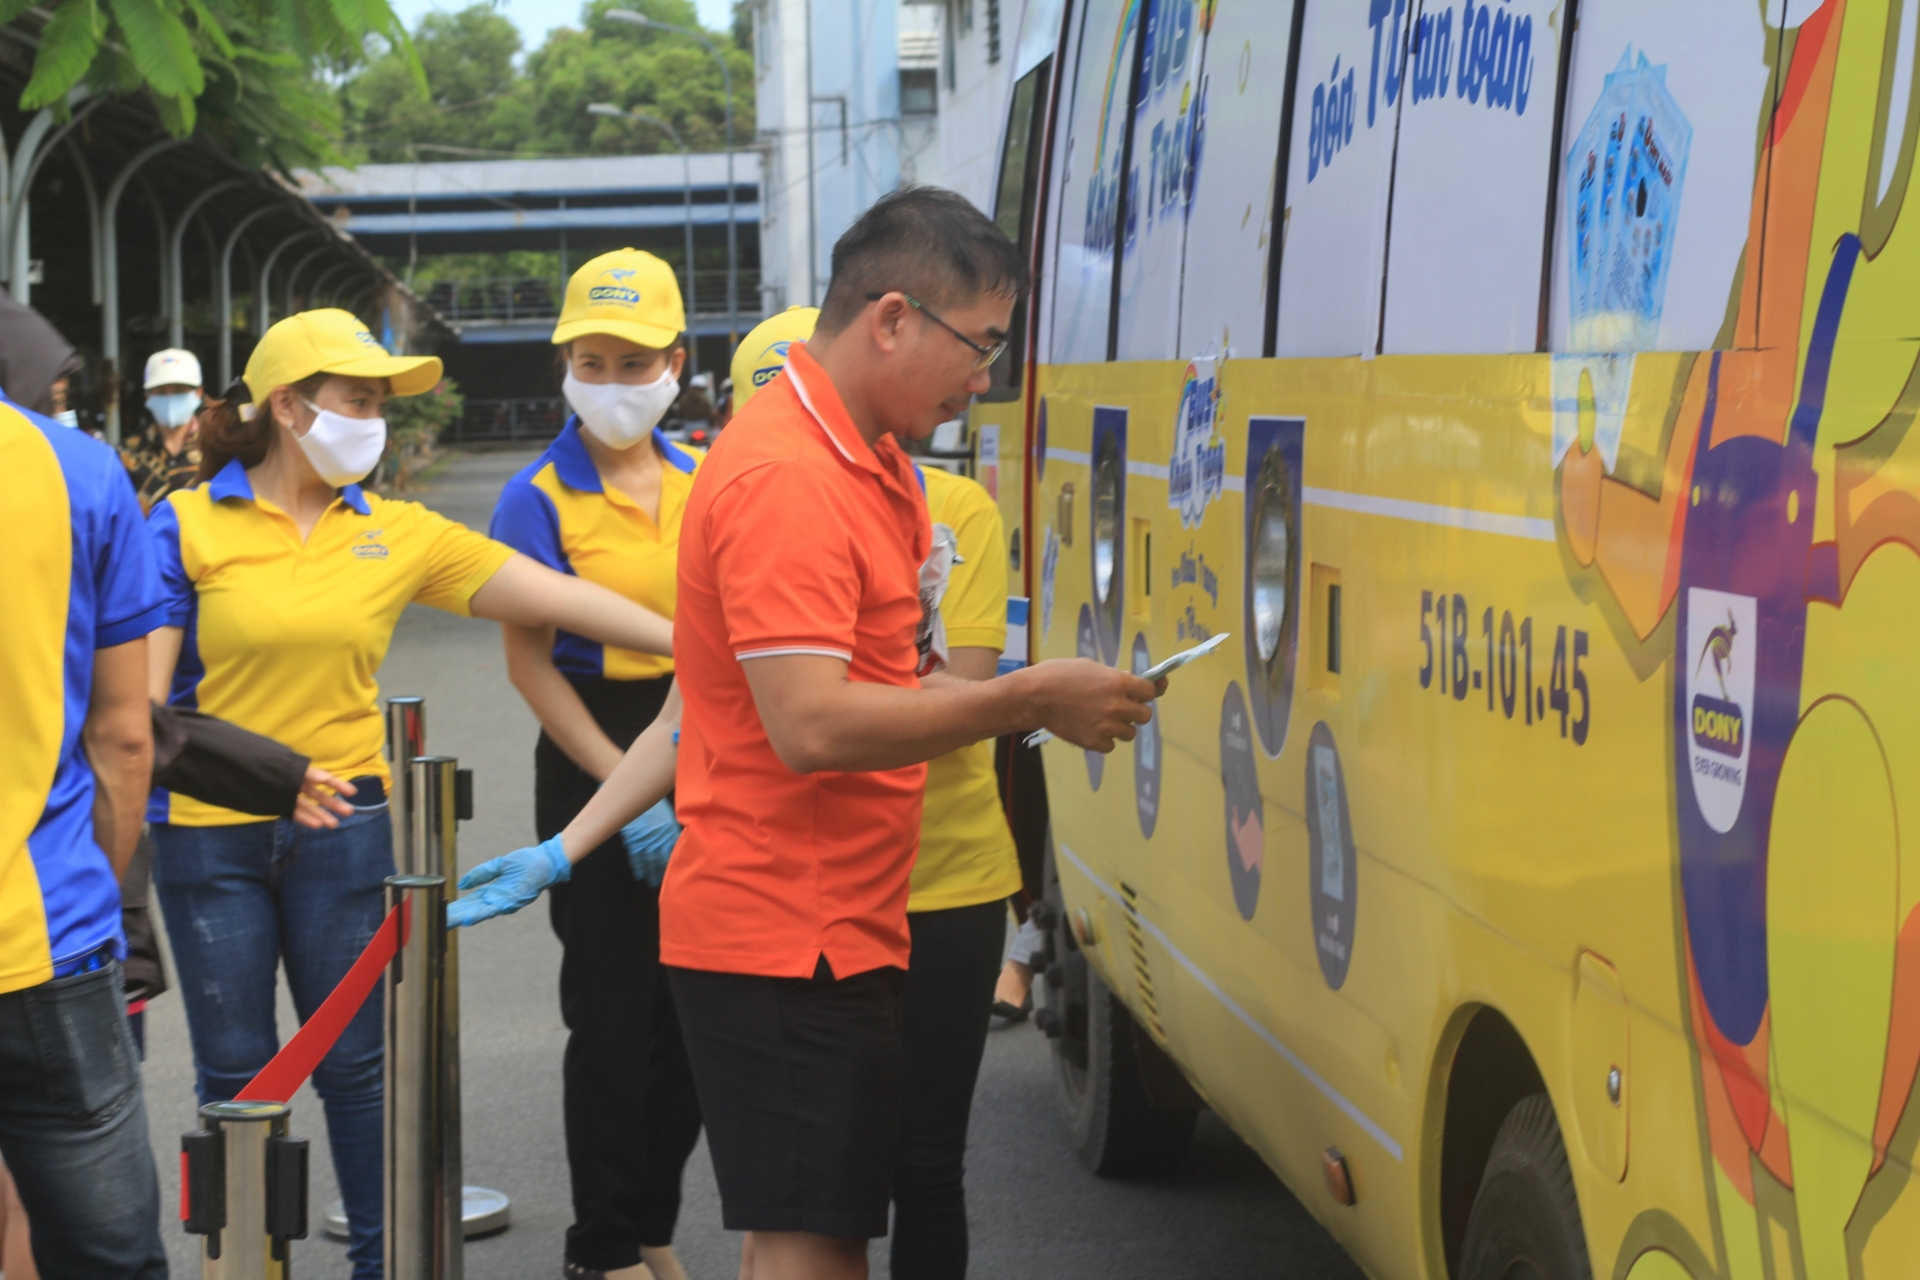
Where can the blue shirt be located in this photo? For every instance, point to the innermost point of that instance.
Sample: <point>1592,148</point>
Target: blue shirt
<point>79,576</point>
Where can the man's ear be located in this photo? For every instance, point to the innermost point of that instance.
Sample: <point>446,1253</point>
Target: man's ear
<point>887,317</point>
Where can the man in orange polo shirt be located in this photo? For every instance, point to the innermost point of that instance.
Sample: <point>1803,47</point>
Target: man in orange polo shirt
<point>783,915</point>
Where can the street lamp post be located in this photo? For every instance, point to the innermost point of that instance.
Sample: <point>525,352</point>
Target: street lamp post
<point>726,85</point>
<point>686,178</point>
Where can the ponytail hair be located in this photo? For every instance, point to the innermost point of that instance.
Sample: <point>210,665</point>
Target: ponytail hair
<point>235,427</point>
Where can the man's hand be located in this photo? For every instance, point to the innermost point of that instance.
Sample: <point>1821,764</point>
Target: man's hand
<point>319,805</point>
<point>1088,704</point>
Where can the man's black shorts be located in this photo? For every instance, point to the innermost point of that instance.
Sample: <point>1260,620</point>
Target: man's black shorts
<point>799,1084</point>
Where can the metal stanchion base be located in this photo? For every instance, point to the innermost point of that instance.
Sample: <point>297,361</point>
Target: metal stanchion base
<point>483,1212</point>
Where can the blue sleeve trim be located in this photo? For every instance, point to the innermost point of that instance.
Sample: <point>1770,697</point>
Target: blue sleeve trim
<point>108,634</point>
<point>176,588</point>
<point>526,520</point>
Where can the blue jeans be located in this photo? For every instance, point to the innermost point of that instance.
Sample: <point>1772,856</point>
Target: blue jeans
<point>73,1129</point>
<point>241,900</point>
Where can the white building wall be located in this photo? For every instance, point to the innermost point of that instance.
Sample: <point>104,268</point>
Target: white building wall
<point>780,96</point>
<point>828,114</point>
<point>922,32</point>
<point>829,75</point>
<point>972,84</point>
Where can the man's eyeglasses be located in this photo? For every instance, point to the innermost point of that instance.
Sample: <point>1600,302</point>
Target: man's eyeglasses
<point>984,355</point>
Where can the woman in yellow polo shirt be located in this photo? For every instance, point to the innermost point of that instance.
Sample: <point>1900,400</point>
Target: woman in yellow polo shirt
<point>284,582</point>
<point>604,502</point>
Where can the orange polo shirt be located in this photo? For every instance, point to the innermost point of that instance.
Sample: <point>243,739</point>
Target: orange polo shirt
<point>797,538</point>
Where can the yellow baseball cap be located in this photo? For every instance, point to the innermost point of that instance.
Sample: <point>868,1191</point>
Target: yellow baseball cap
<point>332,341</point>
<point>628,293</point>
<point>762,354</point>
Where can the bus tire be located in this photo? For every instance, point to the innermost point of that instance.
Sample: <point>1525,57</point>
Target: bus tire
<point>1112,1121</point>
<point>1526,1217</point>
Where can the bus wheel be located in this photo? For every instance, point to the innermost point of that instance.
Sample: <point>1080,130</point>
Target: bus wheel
<point>1525,1223</point>
<point>1112,1120</point>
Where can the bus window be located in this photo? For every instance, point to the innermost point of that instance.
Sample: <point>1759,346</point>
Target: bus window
<point>1230,223</point>
<point>1089,167</point>
<point>1471,177</point>
<point>1013,209</point>
<point>1166,151</point>
<point>1677,93</point>
<point>1340,160</point>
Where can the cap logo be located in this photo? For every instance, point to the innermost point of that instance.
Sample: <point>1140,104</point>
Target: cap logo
<point>365,337</point>
<point>767,371</point>
<point>616,294</point>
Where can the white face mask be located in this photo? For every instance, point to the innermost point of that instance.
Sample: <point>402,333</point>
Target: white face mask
<point>342,449</point>
<point>68,417</point>
<point>175,410</point>
<point>619,414</point>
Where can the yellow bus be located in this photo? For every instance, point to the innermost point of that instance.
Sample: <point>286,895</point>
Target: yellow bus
<point>1524,387</point>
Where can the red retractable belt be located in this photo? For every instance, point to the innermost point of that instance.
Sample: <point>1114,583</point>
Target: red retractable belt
<point>280,1079</point>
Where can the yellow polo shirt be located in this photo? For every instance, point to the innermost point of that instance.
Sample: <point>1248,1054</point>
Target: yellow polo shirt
<point>558,512</point>
<point>284,637</point>
<point>966,849</point>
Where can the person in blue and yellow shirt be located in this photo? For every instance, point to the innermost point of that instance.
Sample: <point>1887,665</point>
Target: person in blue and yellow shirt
<point>284,583</point>
<point>604,502</point>
<point>82,595</point>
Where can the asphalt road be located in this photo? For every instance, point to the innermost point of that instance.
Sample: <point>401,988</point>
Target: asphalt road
<point>1035,1211</point>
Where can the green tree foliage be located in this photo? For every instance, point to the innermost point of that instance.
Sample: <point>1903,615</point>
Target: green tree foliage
<point>468,58</point>
<point>474,98</point>
<point>243,71</point>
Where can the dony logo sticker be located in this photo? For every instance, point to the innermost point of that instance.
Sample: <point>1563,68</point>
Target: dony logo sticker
<point>619,293</point>
<point>1722,634</point>
<point>1197,471</point>
<point>367,545</point>
<point>771,362</point>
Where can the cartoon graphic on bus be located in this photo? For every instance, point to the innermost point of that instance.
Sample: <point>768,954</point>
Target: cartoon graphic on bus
<point>1563,356</point>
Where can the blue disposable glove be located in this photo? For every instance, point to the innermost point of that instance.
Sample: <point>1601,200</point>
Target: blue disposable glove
<point>650,839</point>
<point>508,883</point>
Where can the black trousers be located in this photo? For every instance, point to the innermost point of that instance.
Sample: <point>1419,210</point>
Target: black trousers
<point>944,1011</point>
<point>631,1114</point>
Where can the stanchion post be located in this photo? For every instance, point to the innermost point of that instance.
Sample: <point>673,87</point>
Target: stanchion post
<point>421,1242</point>
<point>406,740</point>
<point>246,1190</point>
<point>436,847</point>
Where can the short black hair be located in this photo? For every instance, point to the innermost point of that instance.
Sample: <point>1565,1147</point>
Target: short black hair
<point>927,241</point>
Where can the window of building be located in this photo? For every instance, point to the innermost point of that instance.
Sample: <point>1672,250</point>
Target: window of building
<point>919,93</point>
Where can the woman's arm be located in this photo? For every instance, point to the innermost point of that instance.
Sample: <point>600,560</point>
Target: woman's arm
<point>163,655</point>
<point>555,702</point>
<point>642,779</point>
<point>503,885</point>
<point>526,593</point>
